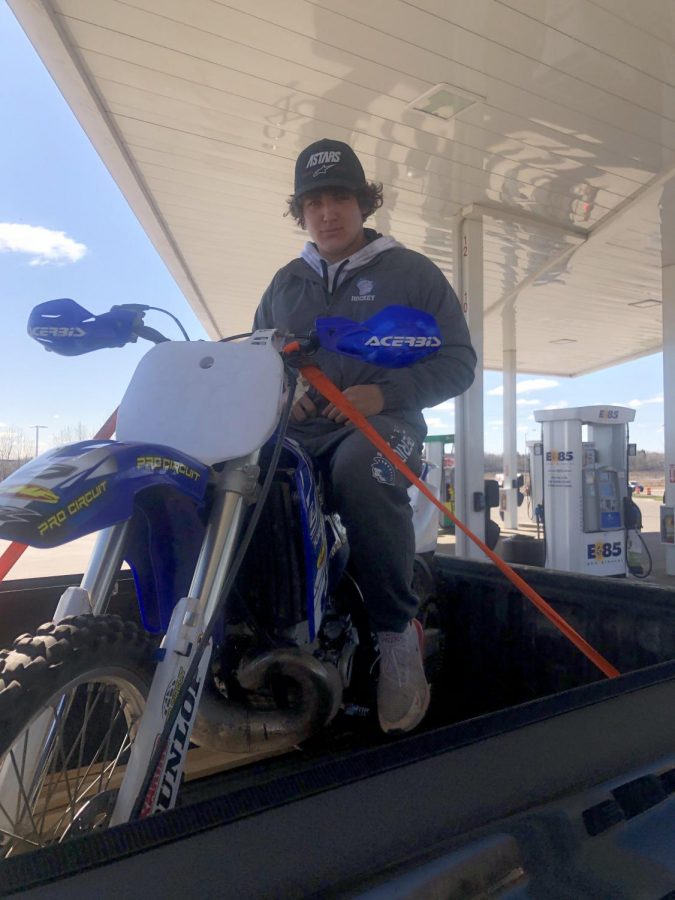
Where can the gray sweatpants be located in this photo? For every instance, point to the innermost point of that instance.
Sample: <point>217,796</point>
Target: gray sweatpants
<point>371,497</point>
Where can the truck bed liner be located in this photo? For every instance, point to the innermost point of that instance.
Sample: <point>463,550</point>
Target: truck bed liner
<point>565,791</point>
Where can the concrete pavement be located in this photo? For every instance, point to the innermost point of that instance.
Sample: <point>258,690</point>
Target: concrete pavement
<point>649,507</point>
<point>72,558</point>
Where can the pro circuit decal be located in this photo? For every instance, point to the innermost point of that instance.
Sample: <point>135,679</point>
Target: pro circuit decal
<point>165,464</point>
<point>31,492</point>
<point>84,501</point>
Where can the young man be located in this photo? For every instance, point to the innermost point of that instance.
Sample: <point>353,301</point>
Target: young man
<point>348,270</point>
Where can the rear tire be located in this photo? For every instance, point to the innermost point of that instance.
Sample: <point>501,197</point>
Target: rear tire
<point>70,698</point>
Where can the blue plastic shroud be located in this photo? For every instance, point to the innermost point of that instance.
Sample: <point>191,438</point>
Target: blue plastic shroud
<point>74,490</point>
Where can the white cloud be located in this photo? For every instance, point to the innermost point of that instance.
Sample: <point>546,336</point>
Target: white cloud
<point>528,402</point>
<point>42,244</point>
<point>526,386</point>
<point>636,404</point>
<point>561,404</point>
<point>435,422</point>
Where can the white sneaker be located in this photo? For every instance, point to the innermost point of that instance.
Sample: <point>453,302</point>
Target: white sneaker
<point>402,692</point>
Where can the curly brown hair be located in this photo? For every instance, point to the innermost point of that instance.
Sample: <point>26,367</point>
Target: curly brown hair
<point>369,198</point>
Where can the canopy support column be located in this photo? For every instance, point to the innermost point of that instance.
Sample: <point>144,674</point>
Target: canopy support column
<point>668,313</point>
<point>469,444</point>
<point>509,415</point>
<point>667,209</point>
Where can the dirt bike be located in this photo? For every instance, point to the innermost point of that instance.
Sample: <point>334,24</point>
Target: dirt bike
<point>251,633</point>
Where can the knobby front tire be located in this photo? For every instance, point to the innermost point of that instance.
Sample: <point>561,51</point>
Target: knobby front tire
<point>70,698</point>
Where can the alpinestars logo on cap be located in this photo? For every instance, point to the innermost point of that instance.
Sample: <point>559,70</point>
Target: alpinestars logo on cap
<point>322,170</point>
<point>325,156</point>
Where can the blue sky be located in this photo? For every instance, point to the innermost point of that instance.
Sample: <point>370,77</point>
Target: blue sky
<point>66,231</point>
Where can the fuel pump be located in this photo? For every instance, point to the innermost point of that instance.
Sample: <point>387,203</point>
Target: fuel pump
<point>585,488</point>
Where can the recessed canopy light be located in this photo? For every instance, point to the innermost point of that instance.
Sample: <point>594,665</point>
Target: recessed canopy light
<point>645,304</point>
<point>444,101</point>
<point>564,341</point>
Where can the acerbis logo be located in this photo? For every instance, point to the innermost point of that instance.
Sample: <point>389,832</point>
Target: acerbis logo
<point>557,456</point>
<point>400,340</point>
<point>56,331</point>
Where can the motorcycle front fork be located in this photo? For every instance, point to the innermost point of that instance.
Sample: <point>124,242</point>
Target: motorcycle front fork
<point>183,640</point>
<point>93,594</point>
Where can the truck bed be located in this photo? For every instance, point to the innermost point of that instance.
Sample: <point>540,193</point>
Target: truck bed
<point>534,776</point>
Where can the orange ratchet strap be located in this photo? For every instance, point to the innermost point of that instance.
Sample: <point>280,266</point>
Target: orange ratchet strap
<point>326,387</point>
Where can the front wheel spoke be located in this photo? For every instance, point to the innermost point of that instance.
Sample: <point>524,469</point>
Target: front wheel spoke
<point>79,737</point>
<point>5,832</point>
<point>110,768</point>
<point>66,780</point>
<point>126,745</point>
<point>23,769</point>
<point>116,710</point>
<point>103,760</point>
<point>61,710</point>
<point>22,791</point>
<point>51,772</point>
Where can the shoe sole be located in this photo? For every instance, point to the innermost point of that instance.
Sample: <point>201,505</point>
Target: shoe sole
<point>412,720</point>
<point>415,716</point>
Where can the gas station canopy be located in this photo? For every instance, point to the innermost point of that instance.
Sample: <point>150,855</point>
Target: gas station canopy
<point>552,122</point>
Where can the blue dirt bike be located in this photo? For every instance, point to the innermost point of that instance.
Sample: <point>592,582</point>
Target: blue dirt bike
<point>250,628</point>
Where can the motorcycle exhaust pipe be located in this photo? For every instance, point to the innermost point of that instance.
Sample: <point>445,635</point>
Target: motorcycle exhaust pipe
<point>227,726</point>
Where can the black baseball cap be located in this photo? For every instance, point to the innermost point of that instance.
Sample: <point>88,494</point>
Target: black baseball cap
<point>325,164</point>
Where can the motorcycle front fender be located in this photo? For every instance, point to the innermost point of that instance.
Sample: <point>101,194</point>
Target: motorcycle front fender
<point>81,488</point>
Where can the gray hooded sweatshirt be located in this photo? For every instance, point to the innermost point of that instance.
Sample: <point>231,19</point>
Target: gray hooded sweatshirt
<point>380,274</point>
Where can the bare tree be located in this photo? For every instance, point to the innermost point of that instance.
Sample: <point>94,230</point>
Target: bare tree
<point>71,434</point>
<point>14,450</point>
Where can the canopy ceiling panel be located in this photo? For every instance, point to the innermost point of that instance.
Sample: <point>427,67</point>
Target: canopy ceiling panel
<point>553,121</point>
